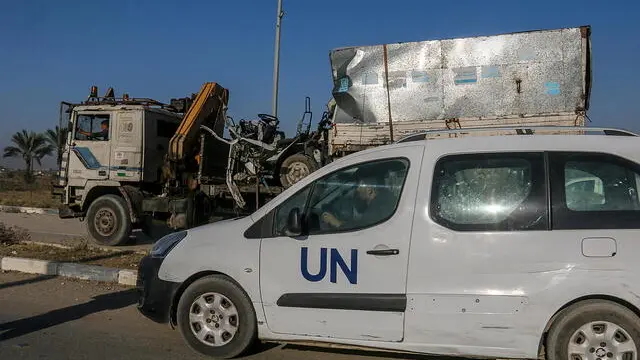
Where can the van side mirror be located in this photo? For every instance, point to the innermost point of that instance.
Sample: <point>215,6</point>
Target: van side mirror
<point>294,222</point>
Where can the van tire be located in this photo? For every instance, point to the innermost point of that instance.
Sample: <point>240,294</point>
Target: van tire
<point>565,328</point>
<point>295,168</point>
<point>108,220</point>
<point>245,322</point>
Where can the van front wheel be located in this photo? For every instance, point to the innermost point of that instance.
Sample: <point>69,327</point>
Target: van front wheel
<point>216,317</point>
<point>594,330</point>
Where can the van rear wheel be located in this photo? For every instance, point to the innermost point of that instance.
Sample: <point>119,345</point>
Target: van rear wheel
<point>594,330</point>
<point>108,220</point>
<point>216,317</point>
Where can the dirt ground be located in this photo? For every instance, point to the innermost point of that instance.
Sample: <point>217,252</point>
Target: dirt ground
<point>79,254</point>
<point>15,191</point>
<point>37,198</point>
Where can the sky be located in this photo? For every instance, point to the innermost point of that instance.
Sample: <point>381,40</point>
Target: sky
<point>54,51</point>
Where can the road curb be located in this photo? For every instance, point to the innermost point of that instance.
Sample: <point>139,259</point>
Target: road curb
<point>72,270</point>
<point>31,266</point>
<point>27,210</point>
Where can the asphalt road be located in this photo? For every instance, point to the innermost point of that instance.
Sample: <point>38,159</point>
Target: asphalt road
<point>58,318</point>
<point>45,225</point>
<point>51,229</point>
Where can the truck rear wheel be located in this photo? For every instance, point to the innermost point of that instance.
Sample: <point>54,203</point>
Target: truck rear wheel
<point>295,168</point>
<point>108,220</point>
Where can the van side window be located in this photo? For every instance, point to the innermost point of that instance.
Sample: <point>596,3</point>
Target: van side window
<point>356,197</point>
<point>594,191</point>
<point>297,200</point>
<point>490,192</point>
<point>352,198</point>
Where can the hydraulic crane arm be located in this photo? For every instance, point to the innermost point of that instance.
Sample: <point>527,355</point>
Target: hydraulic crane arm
<point>208,109</point>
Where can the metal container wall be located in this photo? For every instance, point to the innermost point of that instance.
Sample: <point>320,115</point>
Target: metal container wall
<point>536,73</point>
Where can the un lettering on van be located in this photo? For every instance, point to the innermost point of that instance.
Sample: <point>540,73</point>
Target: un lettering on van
<point>331,259</point>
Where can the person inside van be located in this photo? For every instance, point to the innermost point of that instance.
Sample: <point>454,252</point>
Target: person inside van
<point>370,202</point>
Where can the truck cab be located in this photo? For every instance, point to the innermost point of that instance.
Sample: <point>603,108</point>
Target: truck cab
<point>114,152</point>
<point>109,143</point>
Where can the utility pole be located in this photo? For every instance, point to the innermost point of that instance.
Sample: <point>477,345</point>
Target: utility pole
<point>276,61</point>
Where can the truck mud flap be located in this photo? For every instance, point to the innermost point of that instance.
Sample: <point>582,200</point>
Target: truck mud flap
<point>133,197</point>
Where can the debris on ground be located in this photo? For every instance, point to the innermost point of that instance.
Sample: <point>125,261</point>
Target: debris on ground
<point>80,253</point>
<point>12,235</point>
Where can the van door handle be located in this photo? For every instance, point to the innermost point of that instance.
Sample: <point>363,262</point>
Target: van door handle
<point>383,252</point>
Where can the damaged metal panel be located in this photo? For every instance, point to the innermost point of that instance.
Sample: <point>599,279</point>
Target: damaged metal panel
<point>536,73</point>
<point>347,138</point>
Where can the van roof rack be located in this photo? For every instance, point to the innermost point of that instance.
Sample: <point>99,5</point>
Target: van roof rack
<point>520,130</point>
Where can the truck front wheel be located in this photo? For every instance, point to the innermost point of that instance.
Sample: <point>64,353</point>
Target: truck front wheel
<point>108,220</point>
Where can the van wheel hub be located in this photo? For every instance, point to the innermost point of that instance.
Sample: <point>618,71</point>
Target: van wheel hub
<point>601,340</point>
<point>213,319</point>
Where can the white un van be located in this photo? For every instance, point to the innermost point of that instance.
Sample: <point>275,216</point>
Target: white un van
<point>510,246</point>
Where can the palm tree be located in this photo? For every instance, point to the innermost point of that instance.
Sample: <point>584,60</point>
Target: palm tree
<point>57,138</point>
<point>30,146</point>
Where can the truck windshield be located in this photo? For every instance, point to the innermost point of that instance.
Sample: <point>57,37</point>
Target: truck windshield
<point>92,127</point>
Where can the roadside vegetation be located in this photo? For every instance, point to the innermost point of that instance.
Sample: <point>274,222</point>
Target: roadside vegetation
<point>27,187</point>
<point>16,242</point>
<point>12,236</point>
<point>15,191</point>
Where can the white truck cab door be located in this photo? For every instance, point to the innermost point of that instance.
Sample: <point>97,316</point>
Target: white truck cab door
<point>126,146</point>
<point>346,280</point>
<point>90,150</point>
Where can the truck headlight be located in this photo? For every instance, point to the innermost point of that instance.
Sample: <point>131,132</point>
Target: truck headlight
<point>166,243</point>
